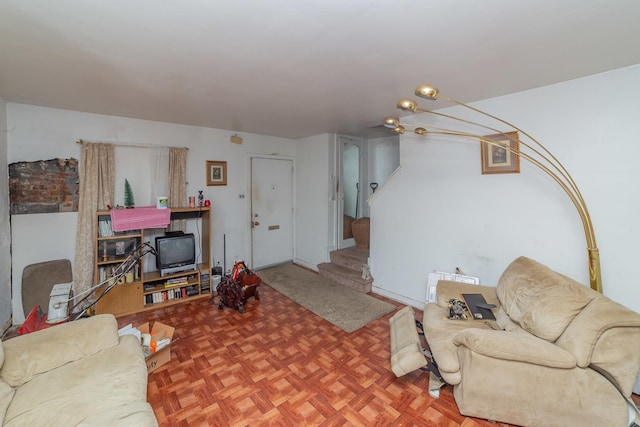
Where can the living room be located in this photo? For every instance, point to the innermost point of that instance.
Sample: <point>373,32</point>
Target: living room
<point>489,220</point>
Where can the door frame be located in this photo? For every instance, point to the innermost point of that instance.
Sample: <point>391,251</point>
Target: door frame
<point>248,200</point>
<point>362,177</point>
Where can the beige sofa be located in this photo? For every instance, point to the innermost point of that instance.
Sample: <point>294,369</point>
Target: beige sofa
<point>555,356</point>
<point>77,373</point>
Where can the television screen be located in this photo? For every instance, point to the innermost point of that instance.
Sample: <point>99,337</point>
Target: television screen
<point>175,250</point>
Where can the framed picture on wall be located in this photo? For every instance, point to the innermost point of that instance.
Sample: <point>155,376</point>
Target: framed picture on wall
<point>216,172</point>
<point>499,153</point>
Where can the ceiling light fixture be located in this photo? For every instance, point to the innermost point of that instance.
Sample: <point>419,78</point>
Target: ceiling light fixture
<point>530,149</point>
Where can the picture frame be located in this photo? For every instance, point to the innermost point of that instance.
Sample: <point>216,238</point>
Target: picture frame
<point>120,248</point>
<point>495,157</point>
<point>216,172</point>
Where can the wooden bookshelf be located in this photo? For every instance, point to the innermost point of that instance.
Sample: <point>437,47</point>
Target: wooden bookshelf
<point>148,290</point>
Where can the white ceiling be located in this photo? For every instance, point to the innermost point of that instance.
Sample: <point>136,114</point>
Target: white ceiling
<point>298,68</point>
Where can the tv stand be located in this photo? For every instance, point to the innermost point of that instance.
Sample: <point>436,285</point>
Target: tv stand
<point>178,269</point>
<point>147,290</point>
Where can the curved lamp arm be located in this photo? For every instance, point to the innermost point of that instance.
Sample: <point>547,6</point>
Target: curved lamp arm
<point>540,157</point>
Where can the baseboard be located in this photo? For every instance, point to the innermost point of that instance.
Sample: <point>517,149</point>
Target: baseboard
<point>398,298</point>
<point>304,264</point>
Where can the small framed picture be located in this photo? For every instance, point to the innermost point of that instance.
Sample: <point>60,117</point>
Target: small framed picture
<point>499,153</point>
<point>216,172</point>
<point>119,248</point>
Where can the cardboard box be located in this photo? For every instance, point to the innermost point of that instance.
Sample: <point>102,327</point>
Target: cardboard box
<point>159,331</point>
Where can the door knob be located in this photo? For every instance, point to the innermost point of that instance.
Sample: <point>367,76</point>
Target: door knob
<point>255,223</point>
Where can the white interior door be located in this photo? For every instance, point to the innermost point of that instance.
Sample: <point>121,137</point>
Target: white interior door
<point>271,211</point>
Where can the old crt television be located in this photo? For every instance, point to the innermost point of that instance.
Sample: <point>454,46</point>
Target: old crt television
<point>175,252</point>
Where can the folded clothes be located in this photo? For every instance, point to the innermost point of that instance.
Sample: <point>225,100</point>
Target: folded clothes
<point>140,218</point>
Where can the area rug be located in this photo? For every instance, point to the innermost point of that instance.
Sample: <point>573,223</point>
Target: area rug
<point>344,307</point>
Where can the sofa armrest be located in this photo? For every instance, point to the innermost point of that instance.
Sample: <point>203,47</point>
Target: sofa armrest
<point>584,331</point>
<point>29,355</point>
<point>606,334</point>
<point>514,346</point>
<point>446,290</point>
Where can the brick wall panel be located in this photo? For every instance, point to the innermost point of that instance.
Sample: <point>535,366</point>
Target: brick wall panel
<point>43,186</point>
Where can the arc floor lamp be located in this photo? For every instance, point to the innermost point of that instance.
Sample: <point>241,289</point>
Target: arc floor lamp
<point>528,149</point>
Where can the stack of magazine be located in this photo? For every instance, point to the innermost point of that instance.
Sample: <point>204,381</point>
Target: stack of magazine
<point>435,276</point>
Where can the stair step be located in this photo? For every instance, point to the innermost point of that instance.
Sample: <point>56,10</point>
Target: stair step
<point>345,276</point>
<point>352,258</point>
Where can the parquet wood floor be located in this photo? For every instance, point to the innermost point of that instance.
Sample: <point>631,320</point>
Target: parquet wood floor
<point>279,364</point>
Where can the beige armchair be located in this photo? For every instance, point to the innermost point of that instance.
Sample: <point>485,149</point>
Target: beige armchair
<point>558,353</point>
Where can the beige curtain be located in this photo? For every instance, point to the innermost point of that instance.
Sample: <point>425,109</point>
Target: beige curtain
<point>178,183</point>
<point>97,185</point>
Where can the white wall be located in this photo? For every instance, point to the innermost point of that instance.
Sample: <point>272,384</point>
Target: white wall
<point>36,133</point>
<point>39,238</point>
<point>441,213</point>
<point>5,242</point>
<point>383,159</point>
<point>315,203</point>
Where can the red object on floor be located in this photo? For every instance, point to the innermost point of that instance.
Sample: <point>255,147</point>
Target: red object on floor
<point>35,321</point>
<point>235,290</point>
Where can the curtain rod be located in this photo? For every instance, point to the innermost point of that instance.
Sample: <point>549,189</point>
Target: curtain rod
<point>127,144</point>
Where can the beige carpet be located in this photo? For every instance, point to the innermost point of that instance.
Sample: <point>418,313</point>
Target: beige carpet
<point>344,307</point>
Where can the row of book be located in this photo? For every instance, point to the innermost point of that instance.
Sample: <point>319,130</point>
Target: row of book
<point>205,281</point>
<point>176,281</point>
<point>170,294</point>
<point>106,272</point>
<point>104,228</point>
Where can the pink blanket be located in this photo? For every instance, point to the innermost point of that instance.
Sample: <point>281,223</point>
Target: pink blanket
<point>139,218</point>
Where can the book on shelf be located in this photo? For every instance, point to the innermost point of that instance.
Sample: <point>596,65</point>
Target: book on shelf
<point>168,295</point>
<point>205,281</point>
<point>174,284</point>
<point>104,228</point>
<point>177,280</point>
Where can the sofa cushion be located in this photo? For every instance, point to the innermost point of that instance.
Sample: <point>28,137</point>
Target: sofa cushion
<point>108,388</point>
<point>406,350</point>
<point>439,331</point>
<point>540,300</point>
<point>30,355</point>
<point>6,391</point>
<point>515,347</point>
<point>6,395</point>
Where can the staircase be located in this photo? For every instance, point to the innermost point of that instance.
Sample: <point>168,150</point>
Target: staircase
<point>345,268</point>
